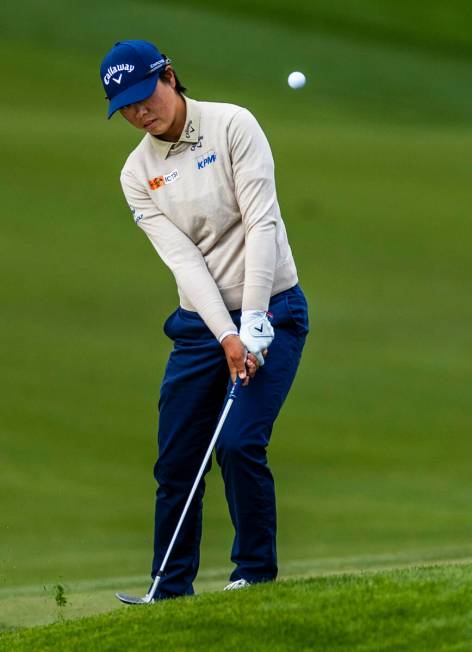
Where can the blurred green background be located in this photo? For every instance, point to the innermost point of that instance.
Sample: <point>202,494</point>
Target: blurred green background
<point>372,454</point>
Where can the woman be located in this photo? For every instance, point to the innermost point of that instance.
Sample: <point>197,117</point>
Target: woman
<point>200,184</point>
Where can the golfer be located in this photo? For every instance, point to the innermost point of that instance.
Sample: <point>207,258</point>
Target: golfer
<point>200,184</point>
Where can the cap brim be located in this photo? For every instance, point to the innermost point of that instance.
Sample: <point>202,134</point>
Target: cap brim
<point>136,93</point>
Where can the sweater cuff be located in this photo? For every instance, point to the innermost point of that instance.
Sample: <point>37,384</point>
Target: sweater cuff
<point>225,333</point>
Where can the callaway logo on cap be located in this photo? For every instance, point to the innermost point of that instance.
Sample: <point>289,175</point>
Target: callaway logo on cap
<point>130,72</point>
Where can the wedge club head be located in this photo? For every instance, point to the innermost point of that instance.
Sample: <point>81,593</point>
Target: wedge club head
<point>132,599</point>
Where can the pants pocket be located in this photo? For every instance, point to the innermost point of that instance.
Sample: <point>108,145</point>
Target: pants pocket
<point>297,308</point>
<point>185,326</point>
<point>168,328</point>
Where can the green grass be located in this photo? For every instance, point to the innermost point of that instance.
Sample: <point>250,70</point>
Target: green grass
<point>371,453</point>
<point>33,605</point>
<point>422,609</point>
<point>436,26</point>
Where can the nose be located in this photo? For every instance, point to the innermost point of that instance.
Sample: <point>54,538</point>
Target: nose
<point>140,109</point>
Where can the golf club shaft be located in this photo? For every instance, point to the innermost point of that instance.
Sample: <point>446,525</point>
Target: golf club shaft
<point>229,403</point>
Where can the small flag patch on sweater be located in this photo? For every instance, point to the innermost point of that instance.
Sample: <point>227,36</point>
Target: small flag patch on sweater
<point>163,180</point>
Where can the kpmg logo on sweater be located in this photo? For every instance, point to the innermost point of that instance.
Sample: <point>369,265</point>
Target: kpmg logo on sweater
<point>206,159</point>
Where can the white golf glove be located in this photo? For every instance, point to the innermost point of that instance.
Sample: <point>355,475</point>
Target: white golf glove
<point>256,332</point>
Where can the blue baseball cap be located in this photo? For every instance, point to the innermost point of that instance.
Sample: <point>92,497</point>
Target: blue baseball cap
<point>130,71</point>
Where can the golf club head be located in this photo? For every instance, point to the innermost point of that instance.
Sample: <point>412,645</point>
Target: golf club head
<point>131,599</point>
<point>147,599</point>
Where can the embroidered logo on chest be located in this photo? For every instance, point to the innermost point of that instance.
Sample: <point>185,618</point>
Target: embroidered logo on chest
<point>163,180</point>
<point>197,144</point>
<point>206,159</point>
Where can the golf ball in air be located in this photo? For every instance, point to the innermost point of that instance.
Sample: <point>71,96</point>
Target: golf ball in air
<point>296,80</point>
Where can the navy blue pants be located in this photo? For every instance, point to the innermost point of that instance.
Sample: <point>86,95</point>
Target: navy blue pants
<point>193,391</point>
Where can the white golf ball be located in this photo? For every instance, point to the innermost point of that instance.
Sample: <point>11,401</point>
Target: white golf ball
<point>296,79</point>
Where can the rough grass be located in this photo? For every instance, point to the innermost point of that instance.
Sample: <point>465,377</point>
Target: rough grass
<point>419,609</point>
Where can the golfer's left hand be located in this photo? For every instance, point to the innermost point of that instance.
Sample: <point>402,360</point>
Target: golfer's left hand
<point>256,333</point>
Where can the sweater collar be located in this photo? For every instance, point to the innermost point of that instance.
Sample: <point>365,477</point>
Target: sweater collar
<point>190,132</point>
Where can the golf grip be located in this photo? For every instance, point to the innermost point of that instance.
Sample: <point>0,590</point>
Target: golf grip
<point>231,398</point>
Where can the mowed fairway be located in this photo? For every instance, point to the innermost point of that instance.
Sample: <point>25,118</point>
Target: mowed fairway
<point>372,452</point>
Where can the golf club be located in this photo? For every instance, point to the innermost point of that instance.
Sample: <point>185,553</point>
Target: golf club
<point>149,597</point>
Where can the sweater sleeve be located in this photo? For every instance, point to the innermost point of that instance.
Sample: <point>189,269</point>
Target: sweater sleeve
<point>253,172</point>
<point>181,255</point>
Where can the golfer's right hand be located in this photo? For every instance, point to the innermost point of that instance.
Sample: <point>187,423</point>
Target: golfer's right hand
<point>240,363</point>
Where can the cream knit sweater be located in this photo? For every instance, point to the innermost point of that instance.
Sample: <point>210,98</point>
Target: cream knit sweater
<point>208,204</point>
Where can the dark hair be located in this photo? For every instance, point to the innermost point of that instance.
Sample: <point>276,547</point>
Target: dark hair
<point>179,87</point>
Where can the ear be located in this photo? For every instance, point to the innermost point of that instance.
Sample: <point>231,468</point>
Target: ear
<point>169,76</point>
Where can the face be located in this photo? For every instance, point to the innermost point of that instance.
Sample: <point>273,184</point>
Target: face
<point>159,114</point>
